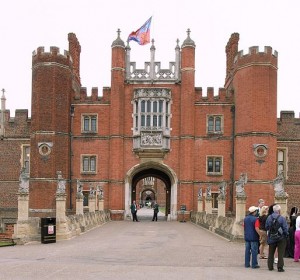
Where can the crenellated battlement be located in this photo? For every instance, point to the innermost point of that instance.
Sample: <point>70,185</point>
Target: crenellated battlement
<point>54,54</point>
<point>222,96</point>
<point>17,126</point>
<point>256,56</point>
<point>83,97</point>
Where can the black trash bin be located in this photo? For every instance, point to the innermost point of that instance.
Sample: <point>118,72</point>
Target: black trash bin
<point>48,230</point>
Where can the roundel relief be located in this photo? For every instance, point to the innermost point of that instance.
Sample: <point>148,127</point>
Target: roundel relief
<point>260,150</point>
<point>44,149</point>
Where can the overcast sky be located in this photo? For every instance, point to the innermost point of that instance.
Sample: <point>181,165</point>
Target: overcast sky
<point>26,25</point>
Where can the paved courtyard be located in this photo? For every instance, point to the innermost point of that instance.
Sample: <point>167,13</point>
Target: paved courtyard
<point>130,250</point>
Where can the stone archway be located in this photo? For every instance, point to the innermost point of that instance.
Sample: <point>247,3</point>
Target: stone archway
<point>154,169</point>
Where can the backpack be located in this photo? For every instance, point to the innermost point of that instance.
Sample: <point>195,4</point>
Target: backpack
<point>275,231</point>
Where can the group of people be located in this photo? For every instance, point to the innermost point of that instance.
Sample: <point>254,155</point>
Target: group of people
<point>259,225</point>
<point>134,208</point>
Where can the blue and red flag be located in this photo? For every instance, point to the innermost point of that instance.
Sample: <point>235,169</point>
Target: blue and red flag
<point>142,35</point>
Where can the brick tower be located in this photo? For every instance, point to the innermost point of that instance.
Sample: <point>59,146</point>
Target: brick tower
<point>187,126</point>
<point>116,126</point>
<point>253,78</point>
<point>54,78</point>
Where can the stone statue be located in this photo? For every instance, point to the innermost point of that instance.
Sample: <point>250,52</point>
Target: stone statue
<point>24,182</point>
<point>79,193</point>
<point>92,191</point>
<point>200,194</point>
<point>101,193</point>
<point>208,191</point>
<point>61,184</point>
<point>278,184</point>
<point>240,185</point>
<point>222,190</point>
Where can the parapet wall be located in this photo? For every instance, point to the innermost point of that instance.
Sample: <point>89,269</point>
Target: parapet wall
<point>76,224</point>
<point>255,56</point>
<point>18,126</point>
<point>222,96</point>
<point>83,97</point>
<point>223,226</point>
<point>54,55</point>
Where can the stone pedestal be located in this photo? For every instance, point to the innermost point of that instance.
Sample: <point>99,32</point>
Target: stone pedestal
<point>282,201</point>
<point>92,203</point>
<point>221,207</point>
<point>101,204</point>
<point>200,205</point>
<point>238,228</point>
<point>22,227</point>
<point>23,206</point>
<point>208,205</point>
<point>79,206</point>
<point>62,229</point>
<point>240,208</point>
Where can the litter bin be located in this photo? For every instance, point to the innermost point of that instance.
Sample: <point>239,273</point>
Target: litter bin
<point>48,230</point>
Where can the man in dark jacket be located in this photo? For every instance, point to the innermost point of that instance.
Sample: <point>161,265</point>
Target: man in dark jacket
<point>133,209</point>
<point>251,235</point>
<point>280,243</point>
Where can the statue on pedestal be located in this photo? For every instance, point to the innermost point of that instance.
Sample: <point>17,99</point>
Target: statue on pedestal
<point>278,184</point>
<point>208,192</point>
<point>61,183</point>
<point>200,194</point>
<point>101,193</point>
<point>240,185</point>
<point>79,193</point>
<point>24,182</point>
<point>222,190</point>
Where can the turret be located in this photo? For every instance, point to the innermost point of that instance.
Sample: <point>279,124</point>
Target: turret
<point>187,85</point>
<point>117,116</point>
<point>187,119</point>
<point>52,79</point>
<point>254,82</point>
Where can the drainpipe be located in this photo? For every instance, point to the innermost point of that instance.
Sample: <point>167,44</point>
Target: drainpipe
<point>71,156</point>
<point>232,175</point>
<point>3,99</point>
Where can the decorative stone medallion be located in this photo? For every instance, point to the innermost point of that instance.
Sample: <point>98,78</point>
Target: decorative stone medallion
<point>260,150</point>
<point>45,148</point>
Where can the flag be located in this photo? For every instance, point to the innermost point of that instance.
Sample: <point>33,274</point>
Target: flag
<point>142,35</point>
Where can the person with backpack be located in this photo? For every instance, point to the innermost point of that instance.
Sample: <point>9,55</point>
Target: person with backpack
<point>277,228</point>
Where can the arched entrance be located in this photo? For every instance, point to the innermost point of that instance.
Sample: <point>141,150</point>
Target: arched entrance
<point>158,171</point>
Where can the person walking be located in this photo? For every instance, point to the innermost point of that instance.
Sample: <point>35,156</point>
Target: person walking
<point>279,243</point>
<point>251,236</point>
<point>133,209</point>
<point>297,240</point>
<point>155,212</point>
<point>262,231</point>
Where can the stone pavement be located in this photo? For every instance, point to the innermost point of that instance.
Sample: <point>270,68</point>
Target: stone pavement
<point>130,250</point>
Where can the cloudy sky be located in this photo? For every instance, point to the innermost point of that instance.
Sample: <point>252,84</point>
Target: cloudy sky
<point>26,25</point>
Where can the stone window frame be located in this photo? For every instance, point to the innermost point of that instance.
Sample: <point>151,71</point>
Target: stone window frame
<point>158,119</point>
<point>89,118</point>
<point>214,173</point>
<point>214,117</point>
<point>25,158</point>
<point>89,157</point>
<point>282,162</point>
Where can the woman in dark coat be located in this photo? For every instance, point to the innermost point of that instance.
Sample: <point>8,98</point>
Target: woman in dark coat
<point>289,252</point>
